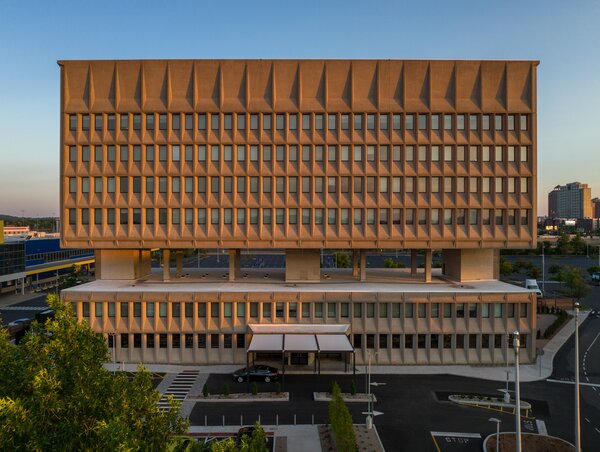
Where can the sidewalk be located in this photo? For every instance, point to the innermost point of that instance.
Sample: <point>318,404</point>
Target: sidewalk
<point>291,438</point>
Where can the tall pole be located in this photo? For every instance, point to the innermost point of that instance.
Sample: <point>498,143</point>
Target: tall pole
<point>498,435</point>
<point>517,393</point>
<point>577,425</point>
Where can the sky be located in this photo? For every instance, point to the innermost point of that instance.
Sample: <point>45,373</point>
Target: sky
<point>564,36</point>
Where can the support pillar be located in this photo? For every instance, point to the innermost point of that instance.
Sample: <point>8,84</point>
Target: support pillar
<point>166,255</point>
<point>355,272</point>
<point>413,262</point>
<point>234,264</point>
<point>427,277</point>
<point>22,286</point>
<point>179,263</point>
<point>363,265</point>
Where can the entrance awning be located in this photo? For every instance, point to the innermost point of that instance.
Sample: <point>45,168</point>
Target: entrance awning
<point>300,338</point>
<point>266,343</point>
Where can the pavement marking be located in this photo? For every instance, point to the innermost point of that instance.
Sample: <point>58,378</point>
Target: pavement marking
<point>436,444</point>
<point>541,426</point>
<point>593,342</point>
<point>587,420</point>
<point>569,382</point>
<point>596,429</point>
<point>459,435</point>
<point>24,308</point>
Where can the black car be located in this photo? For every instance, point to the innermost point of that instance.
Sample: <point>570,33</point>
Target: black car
<point>44,315</point>
<point>265,373</point>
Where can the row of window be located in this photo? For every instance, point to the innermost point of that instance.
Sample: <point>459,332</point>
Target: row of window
<point>62,255</point>
<point>384,341</point>
<point>241,310</point>
<point>309,185</point>
<point>264,153</point>
<point>292,121</point>
<point>307,216</point>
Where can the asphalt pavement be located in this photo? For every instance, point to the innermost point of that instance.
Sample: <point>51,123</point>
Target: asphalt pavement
<point>24,309</point>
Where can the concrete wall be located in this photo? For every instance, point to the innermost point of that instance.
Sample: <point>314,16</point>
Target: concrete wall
<point>471,264</point>
<point>302,265</point>
<point>122,264</point>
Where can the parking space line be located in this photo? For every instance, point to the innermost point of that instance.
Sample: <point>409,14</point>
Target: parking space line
<point>435,442</point>
<point>460,435</point>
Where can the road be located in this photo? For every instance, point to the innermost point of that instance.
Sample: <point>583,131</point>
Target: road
<point>24,309</point>
<point>589,372</point>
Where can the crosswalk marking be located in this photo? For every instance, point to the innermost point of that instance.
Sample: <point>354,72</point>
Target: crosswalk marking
<point>179,388</point>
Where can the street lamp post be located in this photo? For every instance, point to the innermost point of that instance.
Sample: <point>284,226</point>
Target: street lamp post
<point>517,393</point>
<point>577,424</point>
<point>114,353</point>
<point>497,421</point>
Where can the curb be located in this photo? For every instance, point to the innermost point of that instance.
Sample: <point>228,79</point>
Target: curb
<point>283,397</point>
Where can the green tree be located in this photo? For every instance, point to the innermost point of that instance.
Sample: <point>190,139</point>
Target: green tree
<point>342,260</point>
<point>578,244</point>
<point>70,279</point>
<point>506,268</point>
<point>573,282</point>
<point>341,422</point>
<point>593,269</point>
<point>563,244</point>
<point>56,395</point>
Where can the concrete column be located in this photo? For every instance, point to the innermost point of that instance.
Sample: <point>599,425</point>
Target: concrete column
<point>22,286</point>
<point>234,264</point>
<point>179,263</point>
<point>355,272</point>
<point>363,265</point>
<point>427,277</point>
<point>413,262</point>
<point>166,255</point>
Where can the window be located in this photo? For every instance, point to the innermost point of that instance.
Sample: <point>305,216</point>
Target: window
<point>460,122</point>
<point>214,122</point>
<point>331,310</point>
<point>150,122</point>
<point>447,122</point>
<point>383,121</point>
<point>523,122</point>
<point>228,341</point>
<point>357,310</point>
<point>357,121</point>
<point>473,122</point>
<point>150,309</point>
<point>397,122</point>
<point>214,340</point>
<point>410,122</point>
<point>331,122</point>
<point>423,121</point>
<point>498,122</point>
<point>435,122</point>
<point>201,340</point>
<point>228,121</point>
<point>266,310</point>
<point>202,122</point>
<point>98,122</point>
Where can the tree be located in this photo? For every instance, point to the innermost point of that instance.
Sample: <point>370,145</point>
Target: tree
<point>341,421</point>
<point>56,395</point>
<point>506,267</point>
<point>70,279</point>
<point>593,269</point>
<point>575,286</point>
<point>342,260</point>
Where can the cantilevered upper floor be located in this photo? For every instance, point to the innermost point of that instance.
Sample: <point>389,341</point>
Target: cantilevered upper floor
<point>298,154</point>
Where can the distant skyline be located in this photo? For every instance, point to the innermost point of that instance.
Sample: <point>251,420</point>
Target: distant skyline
<point>35,34</point>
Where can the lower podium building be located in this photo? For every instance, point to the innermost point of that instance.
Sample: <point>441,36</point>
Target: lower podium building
<point>300,156</point>
<point>200,316</point>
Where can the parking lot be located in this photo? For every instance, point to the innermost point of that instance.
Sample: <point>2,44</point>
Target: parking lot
<point>413,407</point>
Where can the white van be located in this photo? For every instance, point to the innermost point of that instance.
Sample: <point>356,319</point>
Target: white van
<point>531,284</point>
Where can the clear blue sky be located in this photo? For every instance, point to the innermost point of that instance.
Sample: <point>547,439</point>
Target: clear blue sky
<point>565,36</point>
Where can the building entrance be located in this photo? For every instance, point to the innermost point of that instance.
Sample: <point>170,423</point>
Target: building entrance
<point>299,359</point>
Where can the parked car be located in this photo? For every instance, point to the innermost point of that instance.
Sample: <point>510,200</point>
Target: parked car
<point>44,315</point>
<point>259,372</point>
<point>22,321</point>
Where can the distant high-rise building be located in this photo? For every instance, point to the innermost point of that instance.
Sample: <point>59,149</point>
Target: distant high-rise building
<point>570,201</point>
<point>596,208</point>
